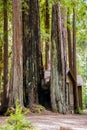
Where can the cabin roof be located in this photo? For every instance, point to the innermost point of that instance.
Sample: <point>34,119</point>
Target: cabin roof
<point>69,72</point>
<point>80,81</point>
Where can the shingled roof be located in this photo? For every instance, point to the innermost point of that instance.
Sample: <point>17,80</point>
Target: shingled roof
<point>79,81</point>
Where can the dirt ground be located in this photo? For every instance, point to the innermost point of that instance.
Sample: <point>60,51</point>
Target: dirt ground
<point>59,122</point>
<point>55,121</point>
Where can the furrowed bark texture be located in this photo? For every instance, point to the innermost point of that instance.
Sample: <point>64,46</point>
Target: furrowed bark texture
<point>58,77</point>
<point>32,62</point>
<point>16,86</point>
<point>64,39</point>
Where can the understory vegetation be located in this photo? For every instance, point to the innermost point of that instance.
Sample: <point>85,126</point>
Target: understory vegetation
<point>17,120</point>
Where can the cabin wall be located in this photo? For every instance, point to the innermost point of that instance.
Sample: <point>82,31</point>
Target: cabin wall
<point>80,96</point>
<point>71,97</point>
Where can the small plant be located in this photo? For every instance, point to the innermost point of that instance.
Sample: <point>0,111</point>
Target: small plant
<point>17,121</point>
<point>79,111</point>
<point>10,110</point>
<point>37,109</point>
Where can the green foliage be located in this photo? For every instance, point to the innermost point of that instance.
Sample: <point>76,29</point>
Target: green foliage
<point>1,66</point>
<point>82,45</point>
<point>85,97</point>
<point>37,109</point>
<point>67,3</point>
<point>17,121</point>
<point>81,22</point>
<point>79,111</point>
<point>25,6</point>
<point>44,33</point>
<point>10,111</point>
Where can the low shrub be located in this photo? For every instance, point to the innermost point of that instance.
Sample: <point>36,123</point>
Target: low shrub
<point>17,121</point>
<point>37,108</point>
<point>79,111</point>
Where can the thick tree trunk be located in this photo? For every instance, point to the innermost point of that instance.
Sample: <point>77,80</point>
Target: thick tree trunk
<point>16,86</point>
<point>58,77</point>
<point>32,48</point>
<point>4,103</point>
<point>25,19</point>
<point>74,61</point>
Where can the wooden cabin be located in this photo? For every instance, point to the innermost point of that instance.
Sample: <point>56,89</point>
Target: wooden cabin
<point>70,81</point>
<point>69,91</point>
<point>79,85</point>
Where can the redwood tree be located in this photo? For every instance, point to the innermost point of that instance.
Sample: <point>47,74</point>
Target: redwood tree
<point>4,103</point>
<point>58,72</point>
<point>74,61</point>
<point>16,85</point>
<point>70,46</point>
<point>47,27</point>
<point>32,55</point>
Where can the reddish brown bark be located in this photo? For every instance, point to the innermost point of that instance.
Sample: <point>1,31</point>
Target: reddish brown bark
<point>16,86</point>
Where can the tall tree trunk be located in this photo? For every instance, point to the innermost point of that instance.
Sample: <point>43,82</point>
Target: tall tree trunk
<point>70,47</point>
<point>47,32</point>
<point>16,86</point>
<point>26,33</point>
<point>57,63</point>
<point>4,104</point>
<point>0,65</point>
<point>32,67</point>
<point>74,61</point>
<point>64,39</point>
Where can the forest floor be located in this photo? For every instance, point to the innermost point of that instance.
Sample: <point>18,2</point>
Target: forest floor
<point>55,121</point>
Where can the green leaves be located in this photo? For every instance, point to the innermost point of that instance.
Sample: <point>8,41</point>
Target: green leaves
<point>17,121</point>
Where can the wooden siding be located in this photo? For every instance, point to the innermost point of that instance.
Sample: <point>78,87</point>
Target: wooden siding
<point>71,97</point>
<point>80,96</point>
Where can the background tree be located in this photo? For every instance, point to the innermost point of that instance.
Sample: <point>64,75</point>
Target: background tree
<point>74,60</point>
<point>4,103</point>
<point>70,49</point>
<point>47,29</point>
<point>1,42</point>
<point>81,46</point>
